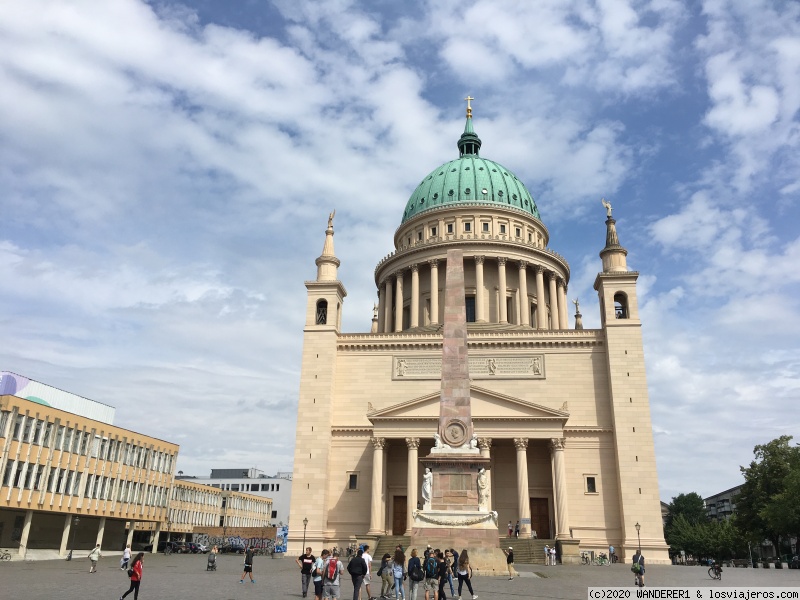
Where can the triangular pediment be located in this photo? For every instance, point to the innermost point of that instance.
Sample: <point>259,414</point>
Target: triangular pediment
<point>485,405</point>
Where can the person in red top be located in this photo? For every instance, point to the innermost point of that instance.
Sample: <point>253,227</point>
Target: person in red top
<point>136,576</point>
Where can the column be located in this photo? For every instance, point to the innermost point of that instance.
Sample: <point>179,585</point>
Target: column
<point>562,514</point>
<point>501,270</point>
<point>485,445</point>
<point>156,535</point>
<point>101,529</point>
<point>541,305</point>
<point>523,495</point>
<point>524,305</point>
<point>398,302</point>
<point>434,291</point>
<point>26,530</point>
<point>414,296</point>
<point>413,455</point>
<point>562,304</point>
<point>376,518</point>
<point>553,302</point>
<point>129,540</point>
<point>62,550</point>
<point>382,308</point>
<point>387,318</point>
<point>480,315</point>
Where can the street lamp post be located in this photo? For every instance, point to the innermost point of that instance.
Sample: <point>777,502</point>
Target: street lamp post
<point>638,537</point>
<point>305,524</point>
<point>75,520</point>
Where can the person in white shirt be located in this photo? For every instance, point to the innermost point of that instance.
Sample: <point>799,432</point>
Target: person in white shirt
<point>368,577</point>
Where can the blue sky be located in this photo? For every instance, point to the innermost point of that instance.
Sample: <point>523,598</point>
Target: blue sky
<point>166,172</point>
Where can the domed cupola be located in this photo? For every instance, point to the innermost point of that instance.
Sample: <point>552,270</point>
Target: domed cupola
<point>470,180</point>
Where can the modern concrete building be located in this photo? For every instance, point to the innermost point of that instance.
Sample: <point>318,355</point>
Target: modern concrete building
<point>561,412</point>
<point>277,488</point>
<point>68,481</point>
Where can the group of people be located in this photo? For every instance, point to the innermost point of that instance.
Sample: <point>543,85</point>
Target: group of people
<point>549,555</point>
<point>432,572</point>
<point>513,530</point>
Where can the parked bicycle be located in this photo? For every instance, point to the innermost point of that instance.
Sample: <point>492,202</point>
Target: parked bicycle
<point>5,555</point>
<point>602,560</point>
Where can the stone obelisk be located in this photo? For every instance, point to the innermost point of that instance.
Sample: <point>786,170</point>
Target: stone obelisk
<point>455,418</point>
<point>455,514</point>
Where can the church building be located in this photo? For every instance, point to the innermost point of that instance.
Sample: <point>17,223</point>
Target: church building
<point>560,412</point>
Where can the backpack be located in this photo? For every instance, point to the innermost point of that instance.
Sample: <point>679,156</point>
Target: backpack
<point>416,574</point>
<point>637,566</point>
<point>430,567</point>
<point>356,566</point>
<point>331,570</point>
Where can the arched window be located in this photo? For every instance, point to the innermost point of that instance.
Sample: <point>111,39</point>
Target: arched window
<point>322,312</point>
<point>621,306</point>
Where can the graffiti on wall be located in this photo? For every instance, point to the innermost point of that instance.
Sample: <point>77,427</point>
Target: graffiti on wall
<point>259,543</point>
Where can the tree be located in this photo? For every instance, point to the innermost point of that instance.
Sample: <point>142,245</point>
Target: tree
<point>690,505</point>
<point>764,505</point>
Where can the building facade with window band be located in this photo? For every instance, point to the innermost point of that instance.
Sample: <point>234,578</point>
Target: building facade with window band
<point>562,412</point>
<point>56,465</point>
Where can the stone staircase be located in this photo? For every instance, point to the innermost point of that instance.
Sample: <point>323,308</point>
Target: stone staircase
<point>527,551</point>
<point>388,543</point>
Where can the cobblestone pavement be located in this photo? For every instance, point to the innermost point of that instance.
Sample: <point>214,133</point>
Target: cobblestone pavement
<point>185,576</point>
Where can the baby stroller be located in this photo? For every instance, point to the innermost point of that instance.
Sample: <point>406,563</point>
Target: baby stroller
<point>212,562</point>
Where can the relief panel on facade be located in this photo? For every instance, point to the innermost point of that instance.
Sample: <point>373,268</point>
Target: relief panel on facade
<point>527,366</point>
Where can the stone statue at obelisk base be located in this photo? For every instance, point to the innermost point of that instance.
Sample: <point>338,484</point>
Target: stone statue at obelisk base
<point>456,512</point>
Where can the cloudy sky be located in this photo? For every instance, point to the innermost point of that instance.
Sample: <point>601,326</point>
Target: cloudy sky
<point>166,172</point>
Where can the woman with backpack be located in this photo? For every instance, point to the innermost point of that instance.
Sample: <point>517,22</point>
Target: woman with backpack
<point>464,573</point>
<point>399,574</point>
<point>415,574</point>
<point>135,573</point>
<point>385,573</point>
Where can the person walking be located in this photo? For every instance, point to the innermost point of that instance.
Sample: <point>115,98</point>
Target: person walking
<point>135,573</point>
<point>399,574</point>
<point>553,556</point>
<point>638,568</point>
<point>510,529</point>
<point>431,568</point>
<point>516,530</point>
<point>305,562</point>
<point>464,573</point>
<point>385,573</point>
<point>331,576</point>
<point>415,574</point>
<point>126,558</point>
<point>510,562</point>
<point>248,565</point>
<point>443,574</point>
<point>546,555</point>
<point>368,577</point>
<point>316,573</point>
<point>448,558</point>
<point>94,556</point>
<point>357,569</point>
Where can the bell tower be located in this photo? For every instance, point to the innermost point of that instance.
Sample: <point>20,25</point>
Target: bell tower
<point>639,499</point>
<point>317,387</point>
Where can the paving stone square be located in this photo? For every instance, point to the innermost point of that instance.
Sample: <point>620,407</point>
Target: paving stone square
<point>185,576</point>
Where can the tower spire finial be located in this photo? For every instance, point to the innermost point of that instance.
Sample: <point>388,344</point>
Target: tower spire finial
<point>469,106</point>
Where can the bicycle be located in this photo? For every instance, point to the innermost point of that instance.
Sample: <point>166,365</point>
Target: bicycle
<point>5,555</point>
<point>585,558</point>
<point>602,560</point>
<point>715,572</point>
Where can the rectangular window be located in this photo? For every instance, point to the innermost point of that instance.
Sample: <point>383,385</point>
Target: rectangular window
<point>29,476</point>
<point>433,231</point>
<point>485,227</point>
<point>9,472</point>
<point>467,227</point>
<point>470,302</point>
<point>518,232</point>
<point>37,432</point>
<point>234,487</point>
<point>18,474</point>
<point>59,438</point>
<point>449,228</point>
<point>26,434</point>
<point>277,487</point>
<point>3,422</point>
<point>274,514</point>
<point>591,484</point>
<point>530,238</point>
<point>352,481</point>
<point>48,435</point>
<point>17,427</point>
<point>419,236</point>
<point>264,487</point>
<point>502,228</point>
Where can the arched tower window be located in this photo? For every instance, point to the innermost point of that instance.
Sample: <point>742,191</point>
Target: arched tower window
<point>322,312</point>
<point>621,306</point>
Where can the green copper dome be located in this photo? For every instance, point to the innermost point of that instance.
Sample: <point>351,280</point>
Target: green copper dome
<point>469,180</point>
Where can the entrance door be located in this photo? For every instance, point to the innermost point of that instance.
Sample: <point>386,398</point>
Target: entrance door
<point>399,517</point>
<point>540,517</point>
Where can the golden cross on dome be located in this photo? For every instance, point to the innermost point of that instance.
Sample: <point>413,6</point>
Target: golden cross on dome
<point>469,107</point>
